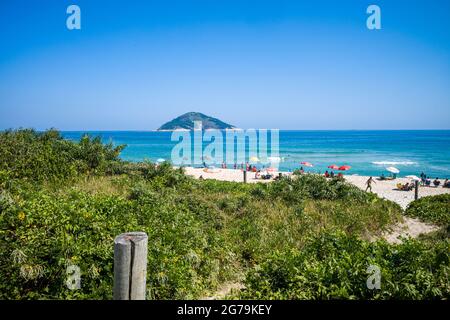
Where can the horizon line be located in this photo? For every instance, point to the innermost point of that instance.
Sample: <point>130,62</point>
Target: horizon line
<point>236,129</point>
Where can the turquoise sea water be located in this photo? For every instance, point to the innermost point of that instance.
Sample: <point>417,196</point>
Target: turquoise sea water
<point>367,152</point>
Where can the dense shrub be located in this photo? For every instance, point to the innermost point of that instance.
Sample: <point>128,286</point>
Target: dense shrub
<point>46,156</point>
<point>315,187</point>
<point>163,174</point>
<point>434,209</point>
<point>42,233</point>
<point>201,232</point>
<point>334,266</point>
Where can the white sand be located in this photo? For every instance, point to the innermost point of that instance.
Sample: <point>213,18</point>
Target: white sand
<point>388,189</point>
<point>410,227</point>
<point>385,189</point>
<point>235,175</point>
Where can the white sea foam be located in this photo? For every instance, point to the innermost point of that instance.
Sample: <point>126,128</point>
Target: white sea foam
<point>393,163</point>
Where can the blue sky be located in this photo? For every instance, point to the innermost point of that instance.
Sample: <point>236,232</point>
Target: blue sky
<point>256,64</point>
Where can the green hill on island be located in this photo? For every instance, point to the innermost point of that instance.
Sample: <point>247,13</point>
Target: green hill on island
<point>186,121</point>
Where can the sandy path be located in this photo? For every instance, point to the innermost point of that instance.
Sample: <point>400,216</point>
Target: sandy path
<point>388,189</point>
<point>410,227</point>
<point>225,290</point>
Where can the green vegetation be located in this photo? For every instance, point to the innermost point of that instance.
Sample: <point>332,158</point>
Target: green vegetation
<point>186,121</point>
<point>299,238</point>
<point>434,209</point>
<point>48,157</point>
<point>334,266</point>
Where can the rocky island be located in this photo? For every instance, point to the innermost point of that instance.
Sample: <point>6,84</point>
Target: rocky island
<point>186,122</point>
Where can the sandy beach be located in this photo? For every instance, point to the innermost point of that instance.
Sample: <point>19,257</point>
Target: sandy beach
<point>388,189</point>
<point>235,175</point>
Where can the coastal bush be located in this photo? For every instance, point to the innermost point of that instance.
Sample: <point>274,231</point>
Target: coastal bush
<point>259,219</point>
<point>4,178</point>
<point>434,209</point>
<point>316,187</point>
<point>163,174</point>
<point>334,266</point>
<point>201,232</point>
<point>41,233</point>
<point>95,157</point>
<point>46,156</point>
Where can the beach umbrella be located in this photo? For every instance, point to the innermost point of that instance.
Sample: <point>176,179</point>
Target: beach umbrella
<point>254,159</point>
<point>333,166</point>
<point>413,177</point>
<point>393,170</point>
<point>306,164</point>
<point>344,168</point>
<point>160,160</point>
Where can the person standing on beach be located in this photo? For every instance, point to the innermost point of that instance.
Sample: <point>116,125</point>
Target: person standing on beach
<point>369,184</point>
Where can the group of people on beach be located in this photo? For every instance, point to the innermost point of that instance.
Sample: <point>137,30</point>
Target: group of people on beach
<point>248,167</point>
<point>332,175</point>
<point>259,173</point>
<point>426,181</point>
<point>405,187</point>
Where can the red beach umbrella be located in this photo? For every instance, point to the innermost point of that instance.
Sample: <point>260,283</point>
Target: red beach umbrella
<point>307,164</point>
<point>333,166</point>
<point>344,168</point>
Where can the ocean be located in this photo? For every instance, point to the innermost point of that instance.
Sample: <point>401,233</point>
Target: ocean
<point>367,152</point>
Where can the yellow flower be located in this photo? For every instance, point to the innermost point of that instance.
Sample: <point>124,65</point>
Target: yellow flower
<point>21,215</point>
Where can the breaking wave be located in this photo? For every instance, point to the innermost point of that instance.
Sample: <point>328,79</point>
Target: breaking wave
<point>393,163</point>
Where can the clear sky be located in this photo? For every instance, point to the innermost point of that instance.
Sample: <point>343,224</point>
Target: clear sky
<point>255,64</point>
